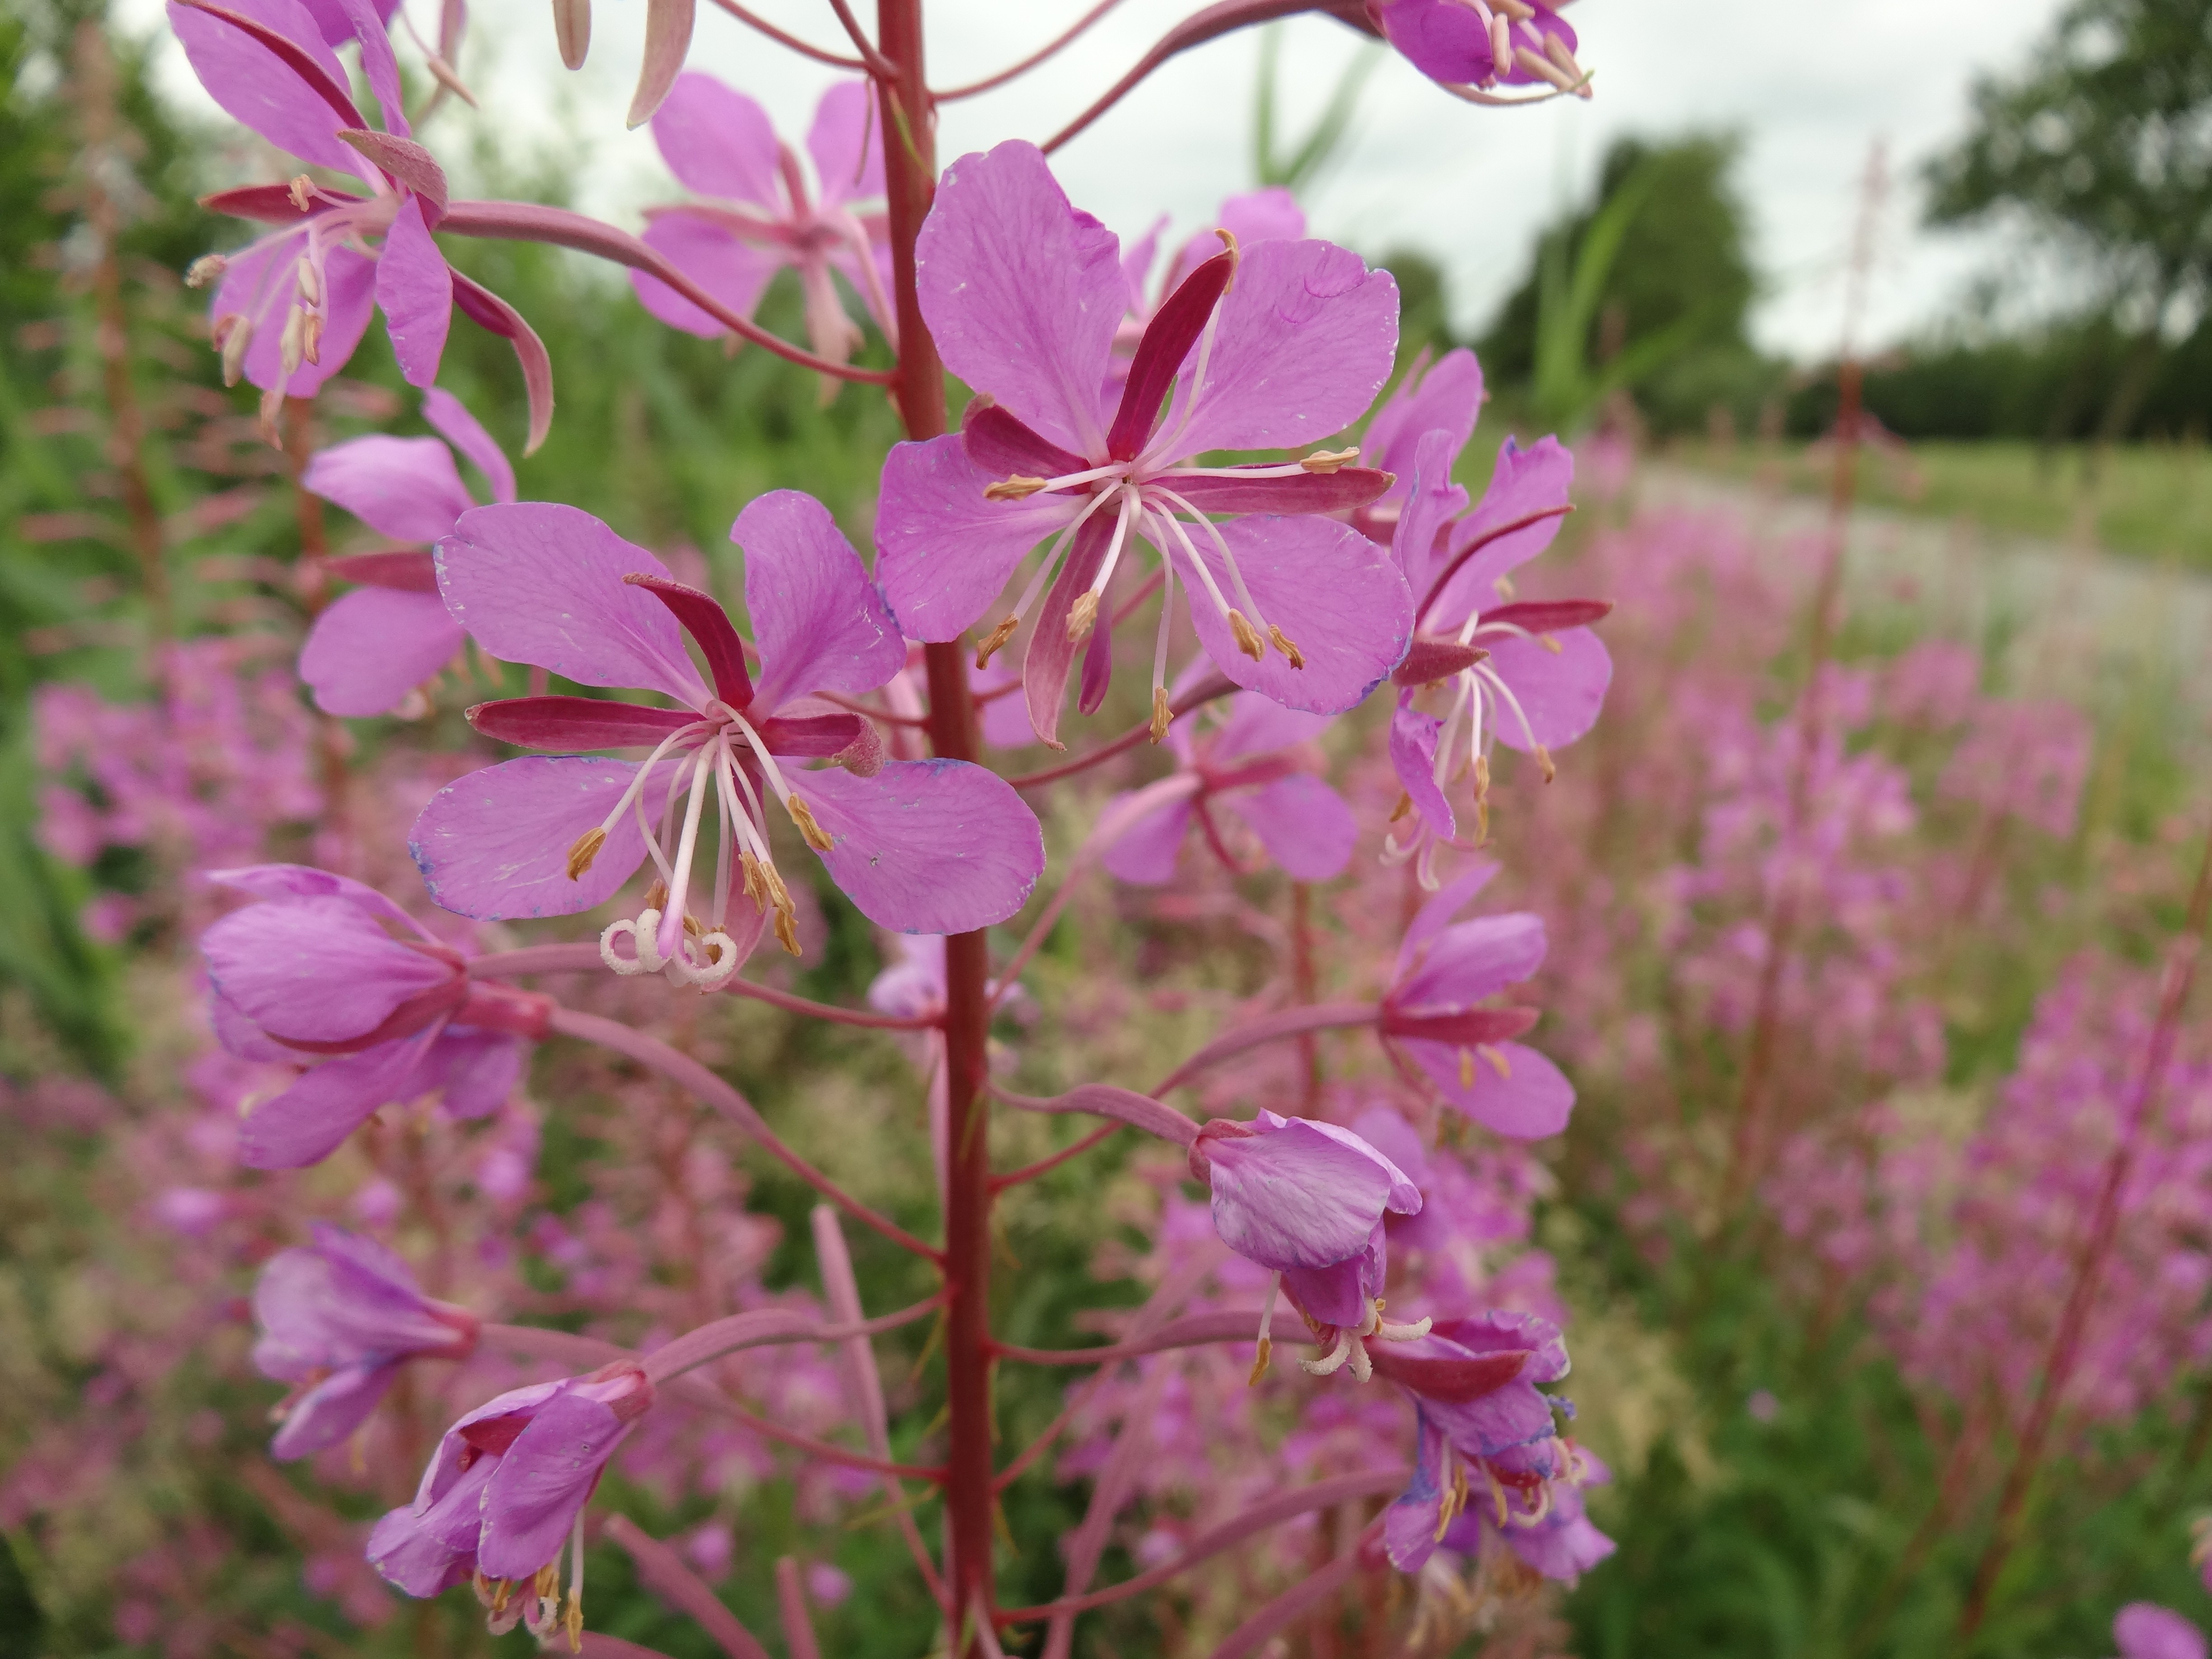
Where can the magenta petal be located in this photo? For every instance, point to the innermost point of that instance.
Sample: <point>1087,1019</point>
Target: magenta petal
<point>416,291</point>
<point>1443,39</point>
<point>1413,756</point>
<point>495,845</point>
<point>290,881</point>
<point>711,256</point>
<point>337,22</point>
<point>263,287</point>
<point>1144,853</point>
<point>1560,692</point>
<point>429,1546</point>
<point>314,969</point>
<point>1023,293</point>
<point>928,847</point>
<point>1304,824</point>
<point>2144,1629</point>
<point>256,87</point>
<point>1447,398</point>
<point>818,621</point>
<point>407,488</point>
<point>1471,960</point>
<point>1304,340</point>
<point>1297,1197</point>
<point>1431,501</point>
<point>1525,481</point>
<point>1436,913</point>
<point>1334,593</point>
<point>1337,1295</point>
<point>332,1409</point>
<point>1533,1100</point>
<point>1257,725</point>
<point>542,1484</point>
<point>846,142</point>
<point>474,1071</point>
<point>373,647</point>
<point>540,583</point>
<point>719,142</point>
<point>310,1119</point>
<point>450,418</point>
<point>942,551</point>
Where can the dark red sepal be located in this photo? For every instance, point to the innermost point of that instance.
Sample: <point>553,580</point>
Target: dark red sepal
<point>1462,1029</point>
<point>568,724</point>
<point>706,622</point>
<point>1452,1382</point>
<point>1549,615</point>
<point>405,572</point>
<point>1167,340</point>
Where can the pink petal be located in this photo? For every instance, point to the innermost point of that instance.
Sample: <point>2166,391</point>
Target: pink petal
<point>846,143</point>
<point>332,1409</point>
<point>1144,853</point>
<point>1532,1101</point>
<point>416,291</point>
<point>1334,593</point>
<point>719,142</point>
<point>819,621</point>
<point>474,1071</point>
<point>314,969</point>
<point>1444,40</point>
<point>1429,502</point>
<point>1272,214</point>
<point>543,1482</point>
<point>311,1119</point>
<point>1560,692</point>
<point>1447,398</point>
<point>256,87</point>
<point>1471,960</point>
<point>2144,1629</point>
<point>1525,481</point>
<point>408,489</point>
<point>373,647</point>
<point>1437,912</point>
<point>367,24</point>
<point>450,418</point>
<point>336,22</point>
<point>1261,726</point>
<point>734,273</point>
<point>1051,653</point>
<point>429,1547</point>
<point>928,847</point>
<point>1296,1197</point>
<point>942,551</point>
<point>1305,824</point>
<point>262,287</point>
<point>1023,293</point>
<point>1337,1295</point>
<point>290,881</point>
<point>541,583</point>
<point>1305,338</point>
<point>1414,757</point>
<point>495,845</point>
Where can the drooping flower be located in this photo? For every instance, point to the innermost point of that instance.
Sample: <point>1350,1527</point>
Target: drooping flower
<point>1432,1015</point>
<point>1530,675</point>
<point>935,847</point>
<point>373,647</point>
<point>1481,43</point>
<point>1305,1200</point>
<point>291,308</point>
<point>506,1489</point>
<point>1274,348</point>
<point>1259,766</point>
<point>326,966</point>
<point>754,213</point>
<point>338,1319</point>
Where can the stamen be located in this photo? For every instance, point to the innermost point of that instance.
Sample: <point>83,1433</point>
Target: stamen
<point>1163,714</point>
<point>997,637</point>
<point>1018,488</point>
<point>311,343</point>
<point>583,850</point>
<point>207,268</point>
<point>1404,807</point>
<point>1266,1332</point>
<point>309,279</point>
<point>574,1624</point>
<point>1498,1063</point>
<point>232,335</point>
<point>1247,636</point>
<point>289,344</point>
<point>302,191</point>
<point>815,837</point>
<point>1467,1069</point>
<point>1081,617</point>
<point>669,940</point>
<point>1323,460</point>
<point>1220,545</point>
<point>1283,644</point>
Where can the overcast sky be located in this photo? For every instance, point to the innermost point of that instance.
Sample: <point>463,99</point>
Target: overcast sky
<point>1811,86</point>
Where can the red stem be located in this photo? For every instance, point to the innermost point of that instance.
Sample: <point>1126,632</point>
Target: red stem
<point>834,59</point>
<point>1066,37</point>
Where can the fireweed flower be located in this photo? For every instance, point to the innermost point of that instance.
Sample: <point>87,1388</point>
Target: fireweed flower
<point>1431,1021</point>
<point>1024,295</point>
<point>1258,767</point>
<point>373,647</point>
<point>1529,675</point>
<point>1488,1462</point>
<point>1481,43</point>
<point>2144,1630</point>
<point>291,308</point>
<point>326,966</point>
<point>1258,216</point>
<point>505,1489</point>
<point>1305,1200</point>
<point>754,213</point>
<point>933,846</point>
<point>338,1320</point>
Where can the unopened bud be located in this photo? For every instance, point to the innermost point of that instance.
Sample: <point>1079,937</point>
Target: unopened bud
<point>1081,617</point>
<point>803,816</point>
<point>1015,489</point>
<point>997,637</point>
<point>1163,716</point>
<point>207,268</point>
<point>1283,644</point>
<point>583,850</point>
<point>1326,460</point>
<point>1247,636</point>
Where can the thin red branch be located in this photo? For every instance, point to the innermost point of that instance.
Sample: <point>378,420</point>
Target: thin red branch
<point>760,24</point>
<point>583,958</point>
<point>1293,1604</point>
<point>1214,685</point>
<point>1067,37</point>
<point>662,1571</point>
<point>1046,1165</point>
<point>1272,1027</point>
<point>874,61</point>
<point>1194,1331</point>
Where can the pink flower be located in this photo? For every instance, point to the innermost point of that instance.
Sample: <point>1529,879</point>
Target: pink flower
<point>935,847</point>
<point>338,1320</point>
<point>1259,767</point>
<point>1024,295</point>
<point>376,644</point>
<point>754,215</point>
<point>506,1489</point>
<point>292,307</point>
<point>1305,1200</point>
<point>1261,216</point>
<point>1431,1017</point>
<point>1472,43</point>
<point>327,966</point>
<point>2144,1629</point>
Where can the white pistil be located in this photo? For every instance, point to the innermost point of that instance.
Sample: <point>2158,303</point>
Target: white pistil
<point>1543,756</point>
<point>670,939</point>
<point>636,786</point>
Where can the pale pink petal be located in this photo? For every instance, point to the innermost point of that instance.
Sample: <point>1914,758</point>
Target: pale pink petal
<point>256,87</point>
<point>1428,502</point>
<point>942,551</point>
<point>495,845</point>
<point>1447,398</point>
<point>928,847</point>
<point>1336,595</point>
<point>542,1483</point>
<point>1137,265</point>
<point>2144,1629</point>
<point>1260,726</point>
<point>1304,340</point>
<point>337,23</point>
<point>450,418</point>
<point>732,272</point>
<point>407,488</point>
<point>1560,692</point>
<point>1296,1197</point>
<point>846,142</point>
<point>474,1071</point>
<point>1532,1101</point>
<point>263,287</point>
<point>416,291</point>
<point>1414,757</point>
<point>373,647</point>
<point>314,969</point>
<point>290,881</point>
<point>1272,214</point>
<point>719,143</point>
<point>818,621</point>
<point>1023,293</point>
<point>1305,824</point>
<point>1471,960</point>
<point>541,583</point>
<point>1144,853</point>
<point>332,1409</point>
<point>1525,481</point>
<point>367,24</point>
<point>311,1119</point>
<point>1438,913</point>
